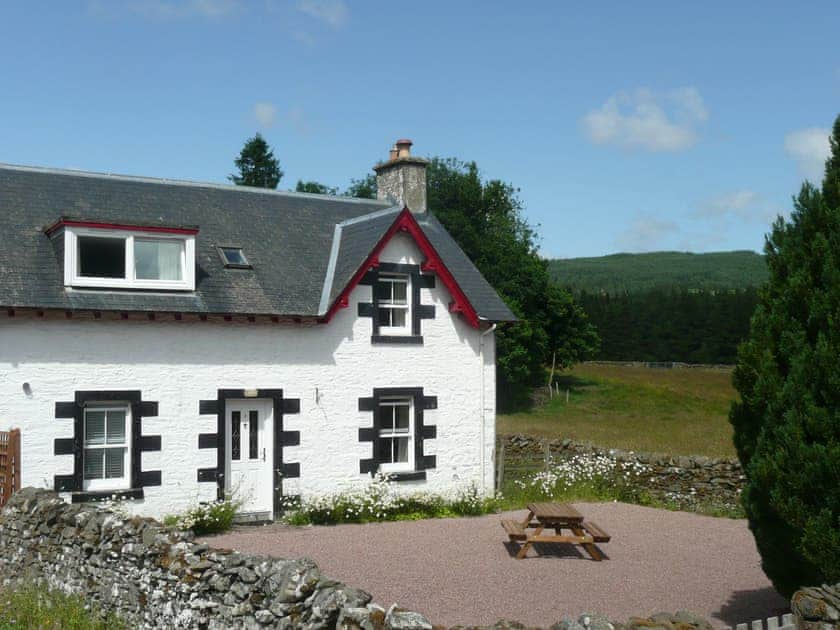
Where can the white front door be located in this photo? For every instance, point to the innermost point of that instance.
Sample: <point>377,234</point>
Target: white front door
<point>249,429</point>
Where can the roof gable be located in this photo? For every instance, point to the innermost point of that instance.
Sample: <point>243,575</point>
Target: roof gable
<point>405,222</point>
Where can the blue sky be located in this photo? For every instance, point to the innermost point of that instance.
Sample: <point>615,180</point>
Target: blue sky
<point>627,126</point>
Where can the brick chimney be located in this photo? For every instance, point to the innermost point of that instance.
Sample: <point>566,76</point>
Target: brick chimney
<point>402,179</point>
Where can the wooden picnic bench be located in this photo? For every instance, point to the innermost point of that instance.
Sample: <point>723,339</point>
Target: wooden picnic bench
<point>556,516</point>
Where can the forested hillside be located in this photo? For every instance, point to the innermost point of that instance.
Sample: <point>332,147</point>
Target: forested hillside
<point>666,306</point>
<point>637,272</point>
<point>671,324</point>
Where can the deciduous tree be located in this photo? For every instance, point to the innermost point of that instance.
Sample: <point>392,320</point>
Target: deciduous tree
<point>315,187</point>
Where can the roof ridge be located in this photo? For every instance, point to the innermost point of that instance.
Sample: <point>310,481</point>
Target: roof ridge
<point>182,182</point>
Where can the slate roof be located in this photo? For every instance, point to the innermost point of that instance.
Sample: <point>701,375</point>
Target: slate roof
<point>287,237</point>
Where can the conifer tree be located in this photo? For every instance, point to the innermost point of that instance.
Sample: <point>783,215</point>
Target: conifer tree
<point>787,423</point>
<point>257,165</point>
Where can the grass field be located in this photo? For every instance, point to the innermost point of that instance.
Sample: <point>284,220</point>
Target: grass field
<point>680,411</point>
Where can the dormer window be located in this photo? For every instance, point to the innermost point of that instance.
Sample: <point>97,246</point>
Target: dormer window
<point>122,258</point>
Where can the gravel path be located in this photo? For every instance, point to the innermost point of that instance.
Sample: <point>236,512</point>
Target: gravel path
<point>461,571</point>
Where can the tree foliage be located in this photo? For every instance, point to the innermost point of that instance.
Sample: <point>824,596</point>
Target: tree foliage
<point>315,187</point>
<point>485,218</point>
<point>787,424</point>
<point>671,323</point>
<point>257,165</point>
<point>616,273</point>
<point>364,188</point>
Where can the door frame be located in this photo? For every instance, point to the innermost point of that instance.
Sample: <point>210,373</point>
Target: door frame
<point>265,407</point>
<point>281,406</point>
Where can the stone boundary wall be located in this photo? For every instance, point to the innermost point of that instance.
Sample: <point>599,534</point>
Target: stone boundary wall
<point>686,480</point>
<point>156,577</point>
<point>817,608</point>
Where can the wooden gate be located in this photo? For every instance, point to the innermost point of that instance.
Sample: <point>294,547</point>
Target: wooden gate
<point>9,464</point>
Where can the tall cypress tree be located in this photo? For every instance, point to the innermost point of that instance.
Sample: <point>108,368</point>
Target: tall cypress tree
<point>787,424</point>
<point>257,165</point>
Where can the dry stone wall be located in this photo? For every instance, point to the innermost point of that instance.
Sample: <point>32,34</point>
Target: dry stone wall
<point>157,577</point>
<point>682,479</point>
<point>817,608</point>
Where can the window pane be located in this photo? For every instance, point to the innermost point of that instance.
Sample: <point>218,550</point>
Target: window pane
<point>383,291</point>
<point>385,450</point>
<point>94,427</point>
<point>253,434</point>
<point>235,434</point>
<point>101,257</point>
<point>234,256</point>
<point>158,260</point>
<point>384,316</point>
<point>400,293</point>
<point>401,420</point>
<point>114,463</point>
<point>94,463</point>
<point>386,418</point>
<point>116,427</point>
<point>401,450</point>
<point>398,317</point>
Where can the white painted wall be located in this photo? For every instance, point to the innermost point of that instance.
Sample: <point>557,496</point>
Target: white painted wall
<point>180,363</point>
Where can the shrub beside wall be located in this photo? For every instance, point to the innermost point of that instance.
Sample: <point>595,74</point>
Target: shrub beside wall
<point>684,481</point>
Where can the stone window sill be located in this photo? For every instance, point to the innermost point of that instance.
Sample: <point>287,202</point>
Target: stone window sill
<point>419,475</point>
<point>402,339</point>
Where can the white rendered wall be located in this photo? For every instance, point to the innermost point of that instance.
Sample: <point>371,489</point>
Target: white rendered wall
<point>179,363</point>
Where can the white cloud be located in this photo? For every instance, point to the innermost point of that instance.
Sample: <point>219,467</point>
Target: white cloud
<point>168,9</point>
<point>333,12</point>
<point>643,119</point>
<point>738,205</point>
<point>810,149</point>
<point>265,113</point>
<point>296,118</point>
<point>304,38</point>
<point>646,233</point>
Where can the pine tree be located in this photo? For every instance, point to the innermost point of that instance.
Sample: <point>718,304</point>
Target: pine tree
<point>787,424</point>
<point>257,165</point>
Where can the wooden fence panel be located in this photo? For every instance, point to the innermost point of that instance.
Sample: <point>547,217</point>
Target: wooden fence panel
<point>9,464</point>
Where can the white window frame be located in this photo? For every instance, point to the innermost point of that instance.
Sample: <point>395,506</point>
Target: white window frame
<point>114,483</point>
<point>392,401</point>
<point>402,278</point>
<point>71,260</point>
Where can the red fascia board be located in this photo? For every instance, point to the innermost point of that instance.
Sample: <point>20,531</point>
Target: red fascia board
<point>405,222</point>
<point>120,226</point>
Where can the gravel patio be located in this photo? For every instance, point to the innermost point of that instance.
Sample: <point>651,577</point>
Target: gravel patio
<point>462,571</point>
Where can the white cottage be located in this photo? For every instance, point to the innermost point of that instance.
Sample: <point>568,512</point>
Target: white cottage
<point>171,341</point>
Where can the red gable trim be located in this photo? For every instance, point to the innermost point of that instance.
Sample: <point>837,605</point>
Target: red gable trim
<point>120,226</point>
<point>405,222</point>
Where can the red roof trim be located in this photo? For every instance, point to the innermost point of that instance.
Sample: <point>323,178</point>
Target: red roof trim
<point>120,226</point>
<point>405,222</point>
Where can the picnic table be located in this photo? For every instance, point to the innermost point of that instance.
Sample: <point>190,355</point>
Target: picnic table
<point>557,517</point>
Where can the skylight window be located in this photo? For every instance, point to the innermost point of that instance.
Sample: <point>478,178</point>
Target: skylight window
<point>233,258</point>
<point>128,259</point>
